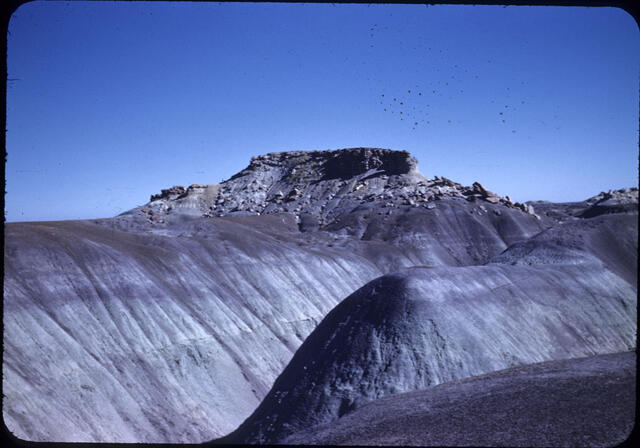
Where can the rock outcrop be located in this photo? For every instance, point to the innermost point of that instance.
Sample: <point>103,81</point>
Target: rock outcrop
<point>617,201</point>
<point>170,193</point>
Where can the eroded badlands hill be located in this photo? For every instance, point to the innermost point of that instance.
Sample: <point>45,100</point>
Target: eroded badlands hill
<point>421,327</point>
<point>120,336</point>
<point>171,322</point>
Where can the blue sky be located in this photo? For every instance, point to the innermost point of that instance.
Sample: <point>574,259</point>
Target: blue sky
<point>108,102</point>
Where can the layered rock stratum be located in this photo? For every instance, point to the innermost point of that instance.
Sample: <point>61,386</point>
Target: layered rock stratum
<point>171,322</point>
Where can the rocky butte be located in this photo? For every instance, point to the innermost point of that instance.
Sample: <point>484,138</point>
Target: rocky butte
<point>317,187</point>
<point>314,292</point>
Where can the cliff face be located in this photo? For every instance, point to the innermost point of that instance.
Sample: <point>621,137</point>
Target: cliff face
<point>339,164</point>
<point>171,322</point>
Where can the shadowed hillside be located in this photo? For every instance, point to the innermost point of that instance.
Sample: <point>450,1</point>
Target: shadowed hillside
<point>578,402</point>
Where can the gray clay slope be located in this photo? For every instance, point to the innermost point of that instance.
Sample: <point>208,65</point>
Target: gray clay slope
<point>111,335</point>
<point>170,323</point>
<point>578,402</point>
<point>548,300</point>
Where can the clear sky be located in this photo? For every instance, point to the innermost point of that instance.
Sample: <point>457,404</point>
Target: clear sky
<point>108,102</point>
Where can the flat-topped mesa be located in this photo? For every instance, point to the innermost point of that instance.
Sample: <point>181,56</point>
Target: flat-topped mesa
<point>318,187</point>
